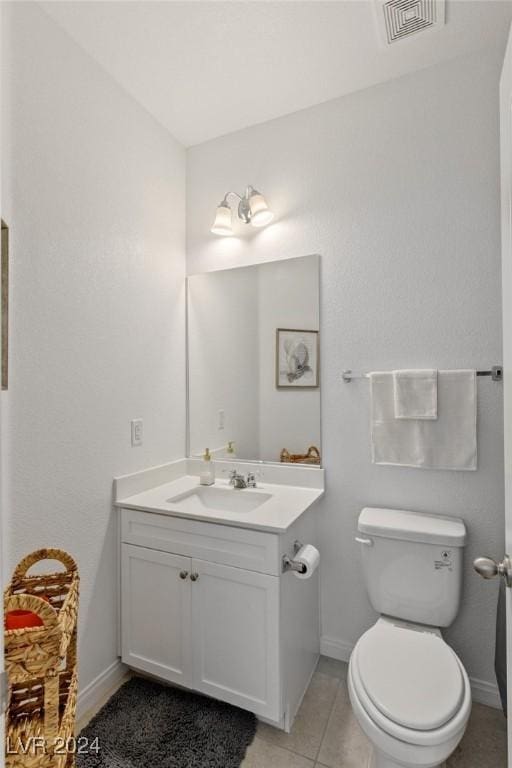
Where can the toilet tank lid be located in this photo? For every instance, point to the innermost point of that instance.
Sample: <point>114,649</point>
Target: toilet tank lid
<point>412,526</point>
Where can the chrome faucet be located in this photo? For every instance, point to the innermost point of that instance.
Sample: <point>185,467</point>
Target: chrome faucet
<point>239,481</point>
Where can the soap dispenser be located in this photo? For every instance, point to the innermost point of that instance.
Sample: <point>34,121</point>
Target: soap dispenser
<point>207,472</point>
<point>230,450</point>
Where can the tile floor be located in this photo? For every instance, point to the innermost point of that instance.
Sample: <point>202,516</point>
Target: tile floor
<point>325,732</point>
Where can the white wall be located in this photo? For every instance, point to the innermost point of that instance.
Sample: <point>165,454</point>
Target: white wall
<point>224,361</point>
<point>93,191</point>
<point>397,188</point>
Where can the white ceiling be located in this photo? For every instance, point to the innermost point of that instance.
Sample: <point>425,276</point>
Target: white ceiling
<point>208,68</point>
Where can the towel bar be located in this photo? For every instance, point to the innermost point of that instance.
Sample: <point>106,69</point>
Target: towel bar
<point>496,374</point>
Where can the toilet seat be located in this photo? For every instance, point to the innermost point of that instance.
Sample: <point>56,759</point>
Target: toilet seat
<point>410,674</point>
<point>410,682</point>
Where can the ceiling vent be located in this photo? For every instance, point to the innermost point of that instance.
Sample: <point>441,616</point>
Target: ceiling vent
<point>399,19</point>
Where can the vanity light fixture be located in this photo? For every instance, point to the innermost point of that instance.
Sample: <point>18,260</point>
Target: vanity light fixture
<point>222,223</point>
<point>252,209</point>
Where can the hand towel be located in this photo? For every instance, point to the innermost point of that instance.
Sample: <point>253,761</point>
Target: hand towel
<point>448,442</point>
<point>415,394</point>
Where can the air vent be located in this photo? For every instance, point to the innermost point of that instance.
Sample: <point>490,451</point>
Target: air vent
<point>399,19</point>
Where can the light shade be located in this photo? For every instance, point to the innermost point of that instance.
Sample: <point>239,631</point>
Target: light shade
<point>261,215</point>
<point>222,224</point>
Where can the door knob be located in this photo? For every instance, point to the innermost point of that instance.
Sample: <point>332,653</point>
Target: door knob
<point>489,568</point>
<point>183,574</point>
<point>194,576</point>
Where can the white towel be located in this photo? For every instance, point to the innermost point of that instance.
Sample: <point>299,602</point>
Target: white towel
<point>449,442</point>
<point>415,394</point>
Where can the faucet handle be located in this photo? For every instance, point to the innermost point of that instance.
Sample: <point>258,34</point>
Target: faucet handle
<point>251,480</point>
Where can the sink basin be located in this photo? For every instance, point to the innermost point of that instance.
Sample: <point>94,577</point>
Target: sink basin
<point>210,497</point>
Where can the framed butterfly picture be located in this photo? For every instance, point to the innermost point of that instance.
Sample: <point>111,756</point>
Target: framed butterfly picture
<point>297,359</point>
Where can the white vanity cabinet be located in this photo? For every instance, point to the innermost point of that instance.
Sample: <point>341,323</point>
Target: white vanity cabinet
<point>156,613</point>
<point>235,636</point>
<point>206,606</point>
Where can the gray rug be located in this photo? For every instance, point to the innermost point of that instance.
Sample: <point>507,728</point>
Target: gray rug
<point>147,725</point>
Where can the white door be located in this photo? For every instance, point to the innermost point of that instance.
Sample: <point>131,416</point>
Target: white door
<point>155,613</point>
<point>506,231</point>
<point>235,628</point>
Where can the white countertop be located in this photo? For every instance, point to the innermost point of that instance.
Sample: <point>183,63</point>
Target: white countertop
<point>276,515</point>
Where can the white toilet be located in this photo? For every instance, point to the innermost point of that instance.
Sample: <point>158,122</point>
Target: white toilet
<point>409,691</point>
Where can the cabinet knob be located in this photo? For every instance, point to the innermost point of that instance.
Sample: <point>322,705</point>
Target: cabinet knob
<point>194,576</point>
<point>183,574</point>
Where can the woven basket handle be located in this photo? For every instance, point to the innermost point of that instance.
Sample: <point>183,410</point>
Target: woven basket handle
<point>43,554</point>
<point>34,604</point>
<point>313,451</point>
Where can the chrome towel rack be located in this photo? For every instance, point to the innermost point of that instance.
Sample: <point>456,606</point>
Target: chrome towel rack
<point>496,374</point>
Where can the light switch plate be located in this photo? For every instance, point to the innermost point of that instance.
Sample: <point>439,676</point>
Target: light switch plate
<point>137,432</point>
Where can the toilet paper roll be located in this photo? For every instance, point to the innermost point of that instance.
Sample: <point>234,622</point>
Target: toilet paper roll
<point>309,556</point>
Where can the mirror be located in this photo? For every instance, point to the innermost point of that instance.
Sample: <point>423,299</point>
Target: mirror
<point>253,362</point>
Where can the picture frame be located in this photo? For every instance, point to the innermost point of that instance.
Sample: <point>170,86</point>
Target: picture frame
<point>297,358</point>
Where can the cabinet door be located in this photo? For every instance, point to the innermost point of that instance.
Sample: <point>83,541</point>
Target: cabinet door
<point>235,625</point>
<point>155,613</point>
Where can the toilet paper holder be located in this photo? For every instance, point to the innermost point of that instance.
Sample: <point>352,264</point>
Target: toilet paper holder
<point>288,564</point>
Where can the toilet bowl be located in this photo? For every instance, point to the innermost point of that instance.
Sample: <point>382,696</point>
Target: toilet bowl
<point>410,694</point>
<point>409,691</point>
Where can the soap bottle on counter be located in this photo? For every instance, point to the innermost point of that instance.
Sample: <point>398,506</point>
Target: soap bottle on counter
<point>207,471</point>
<point>230,450</point>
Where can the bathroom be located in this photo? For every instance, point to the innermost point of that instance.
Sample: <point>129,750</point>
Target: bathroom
<point>124,126</point>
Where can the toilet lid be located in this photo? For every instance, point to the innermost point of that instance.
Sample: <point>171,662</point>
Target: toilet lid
<point>410,674</point>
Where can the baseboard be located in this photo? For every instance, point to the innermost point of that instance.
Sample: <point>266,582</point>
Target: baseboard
<point>481,691</point>
<point>334,648</point>
<point>94,693</point>
<point>485,693</point>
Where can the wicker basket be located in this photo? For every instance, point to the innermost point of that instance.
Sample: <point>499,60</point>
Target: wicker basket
<point>41,722</point>
<point>311,457</point>
<point>41,664</point>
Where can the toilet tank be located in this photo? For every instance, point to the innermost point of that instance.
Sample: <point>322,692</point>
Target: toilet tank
<point>412,564</point>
